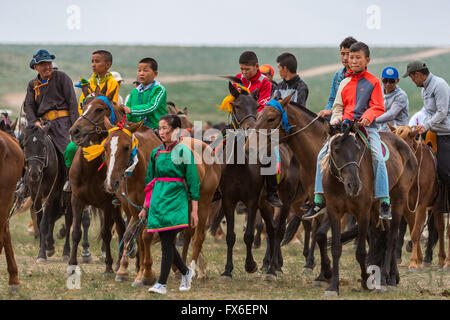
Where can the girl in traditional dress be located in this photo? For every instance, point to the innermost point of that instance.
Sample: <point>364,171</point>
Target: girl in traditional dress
<point>171,166</point>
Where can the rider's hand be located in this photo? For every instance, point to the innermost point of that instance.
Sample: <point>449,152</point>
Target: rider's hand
<point>143,214</point>
<point>421,129</point>
<point>324,113</point>
<point>364,122</point>
<point>127,109</point>
<point>38,123</point>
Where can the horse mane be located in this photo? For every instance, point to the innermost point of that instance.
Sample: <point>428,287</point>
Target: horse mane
<point>307,111</point>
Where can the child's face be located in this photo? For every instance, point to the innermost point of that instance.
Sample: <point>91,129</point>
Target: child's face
<point>358,61</point>
<point>344,57</point>
<point>145,74</point>
<point>99,66</point>
<point>283,71</point>
<point>249,71</point>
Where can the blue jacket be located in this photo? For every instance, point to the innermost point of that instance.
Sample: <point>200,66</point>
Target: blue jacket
<point>338,77</point>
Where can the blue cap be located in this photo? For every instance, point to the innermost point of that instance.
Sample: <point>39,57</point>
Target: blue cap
<point>390,73</point>
<point>40,56</point>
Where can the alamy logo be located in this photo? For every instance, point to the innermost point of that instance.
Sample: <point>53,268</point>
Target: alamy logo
<point>374,19</point>
<point>74,278</point>
<point>374,280</point>
<point>73,21</point>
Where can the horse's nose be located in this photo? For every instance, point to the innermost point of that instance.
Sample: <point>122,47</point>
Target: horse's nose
<point>113,186</point>
<point>74,132</point>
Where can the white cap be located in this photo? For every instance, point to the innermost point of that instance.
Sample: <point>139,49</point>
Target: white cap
<point>116,76</point>
<point>55,66</point>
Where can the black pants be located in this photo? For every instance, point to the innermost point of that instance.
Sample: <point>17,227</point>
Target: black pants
<point>443,168</point>
<point>170,255</point>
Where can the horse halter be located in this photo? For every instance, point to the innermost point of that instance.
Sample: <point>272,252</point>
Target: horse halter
<point>339,169</point>
<point>97,129</point>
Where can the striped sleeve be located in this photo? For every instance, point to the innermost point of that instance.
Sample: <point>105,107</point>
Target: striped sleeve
<point>158,99</point>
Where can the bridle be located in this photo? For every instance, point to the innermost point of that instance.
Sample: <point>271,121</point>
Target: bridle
<point>339,169</point>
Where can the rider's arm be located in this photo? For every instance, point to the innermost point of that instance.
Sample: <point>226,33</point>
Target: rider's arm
<point>157,101</point>
<point>30,107</point>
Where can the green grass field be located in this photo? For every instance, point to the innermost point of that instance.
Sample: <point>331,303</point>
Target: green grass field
<point>47,281</point>
<point>200,97</point>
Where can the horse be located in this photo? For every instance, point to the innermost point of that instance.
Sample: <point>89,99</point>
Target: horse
<point>44,178</point>
<point>243,182</point>
<point>306,140</point>
<point>422,197</point>
<point>87,177</point>
<point>11,168</point>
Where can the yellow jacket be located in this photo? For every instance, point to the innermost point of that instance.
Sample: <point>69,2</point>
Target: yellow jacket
<point>94,81</point>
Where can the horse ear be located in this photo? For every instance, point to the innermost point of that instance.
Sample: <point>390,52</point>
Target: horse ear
<point>86,90</point>
<point>185,111</point>
<point>107,123</point>
<point>328,127</point>
<point>234,92</point>
<point>170,110</point>
<point>286,100</point>
<point>111,94</point>
<point>2,125</point>
<point>391,127</point>
<point>135,126</point>
<point>414,133</point>
<point>255,94</point>
<point>355,126</point>
<point>14,125</point>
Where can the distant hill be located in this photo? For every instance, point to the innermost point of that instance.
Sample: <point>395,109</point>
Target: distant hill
<point>177,65</point>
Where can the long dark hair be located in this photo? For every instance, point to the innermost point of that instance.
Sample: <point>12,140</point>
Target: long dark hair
<point>173,120</point>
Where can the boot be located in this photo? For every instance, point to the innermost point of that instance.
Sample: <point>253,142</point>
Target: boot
<point>67,187</point>
<point>315,210</point>
<point>271,188</point>
<point>385,211</point>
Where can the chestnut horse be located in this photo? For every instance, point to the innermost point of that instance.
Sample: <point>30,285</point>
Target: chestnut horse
<point>87,177</point>
<point>426,186</point>
<point>118,147</point>
<point>11,168</point>
<point>306,139</point>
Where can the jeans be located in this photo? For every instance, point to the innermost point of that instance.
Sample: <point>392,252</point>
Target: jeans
<point>381,189</point>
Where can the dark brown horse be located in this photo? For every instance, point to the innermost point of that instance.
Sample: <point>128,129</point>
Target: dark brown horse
<point>244,182</point>
<point>11,168</point>
<point>87,177</point>
<point>426,186</point>
<point>306,139</point>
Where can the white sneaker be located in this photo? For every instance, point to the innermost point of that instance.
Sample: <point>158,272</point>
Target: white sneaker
<point>186,280</point>
<point>158,288</point>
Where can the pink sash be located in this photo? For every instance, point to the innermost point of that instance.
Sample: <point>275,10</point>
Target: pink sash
<point>149,188</point>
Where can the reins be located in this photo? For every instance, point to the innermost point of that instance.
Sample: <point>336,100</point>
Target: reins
<point>418,179</point>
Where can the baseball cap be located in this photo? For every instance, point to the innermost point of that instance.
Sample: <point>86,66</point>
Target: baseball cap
<point>414,66</point>
<point>390,73</point>
<point>116,76</point>
<point>266,68</point>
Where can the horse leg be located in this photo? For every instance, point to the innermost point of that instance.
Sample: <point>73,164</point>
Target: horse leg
<point>228,208</point>
<point>325,268</point>
<point>86,256</point>
<point>431,242</point>
<point>10,260</point>
<point>310,261</point>
<point>249,235</point>
<point>43,229</point>
<point>440,227</point>
<point>259,226</point>
<point>149,276</point>
<point>199,237</point>
<point>77,210</point>
<point>336,250</point>
<point>68,217</point>
<point>398,208</point>
<point>54,210</point>
<point>401,239</point>
<point>107,236</point>
<point>279,234</point>
<point>120,230</point>
<point>414,263</point>
<point>122,272</point>
<point>361,253</point>
<point>268,265</point>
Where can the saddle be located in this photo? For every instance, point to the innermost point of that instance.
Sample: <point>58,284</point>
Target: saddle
<point>364,135</point>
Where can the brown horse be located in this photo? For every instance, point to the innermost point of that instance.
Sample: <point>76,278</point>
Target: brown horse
<point>87,177</point>
<point>426,186</point>
<point>11,168</point>
<point>306,139</point>
<point>117,159</point>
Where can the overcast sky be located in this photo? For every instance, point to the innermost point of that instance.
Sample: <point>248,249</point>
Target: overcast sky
<point>228,23</point>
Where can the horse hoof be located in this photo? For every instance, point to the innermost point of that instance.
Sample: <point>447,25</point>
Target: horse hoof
<point>392,288</point>
<point>121,278</point>
<point>413,270</point>
<point>41,260</point>
<point>137,284</point>
<point>87,259</point>
<point>148,282</point>
<point>50,252</point>
<point>13,288</point>
<point>65,258</point>
<point>307,270</point>
<point>270,277</point>
<point>253,267</point>
<point>226,277</point>
<point>426,264</point>
<point>71,269</point>
<point>330,294</point>
<point>320,284</point>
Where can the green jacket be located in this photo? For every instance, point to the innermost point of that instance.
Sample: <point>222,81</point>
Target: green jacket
<point>148,104</point>
<point>169,203</point>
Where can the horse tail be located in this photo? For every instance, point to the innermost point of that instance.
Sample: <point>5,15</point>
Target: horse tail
<point>216,221</point>
<point>347,236</point>
<point>291,230</point>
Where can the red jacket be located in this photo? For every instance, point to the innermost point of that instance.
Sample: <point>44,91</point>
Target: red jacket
<point>359,96</point>
<point>260,82</point>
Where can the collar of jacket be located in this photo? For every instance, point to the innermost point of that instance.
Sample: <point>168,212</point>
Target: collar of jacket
<point>358,75</point>
<point>293,80</point>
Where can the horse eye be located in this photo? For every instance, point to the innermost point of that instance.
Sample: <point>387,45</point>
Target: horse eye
<point>98,110</point>
<point>126,148</point>
<point>271,120</point>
